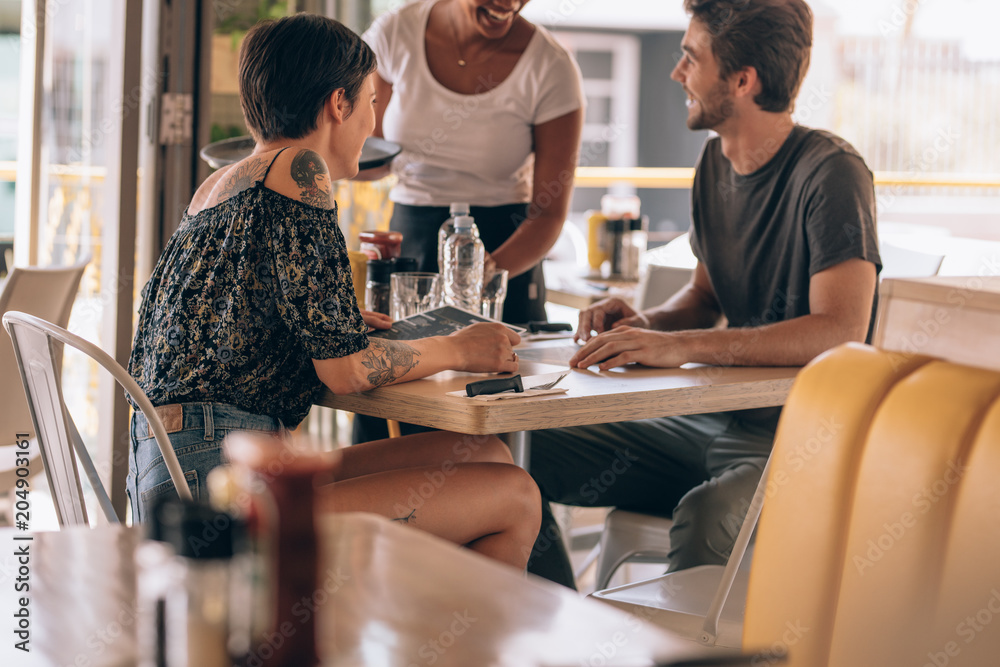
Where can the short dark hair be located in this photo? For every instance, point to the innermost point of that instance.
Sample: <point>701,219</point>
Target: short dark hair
<point>291,66</point>
<point>772,36</point>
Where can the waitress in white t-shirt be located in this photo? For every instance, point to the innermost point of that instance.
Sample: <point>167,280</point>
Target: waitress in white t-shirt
<point>488,109</point>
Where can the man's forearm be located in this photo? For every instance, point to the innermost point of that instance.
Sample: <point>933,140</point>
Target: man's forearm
<point>674,319</point>
<point>793,342</point>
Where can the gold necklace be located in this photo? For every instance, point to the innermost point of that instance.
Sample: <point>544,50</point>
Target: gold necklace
<point>462,62</point>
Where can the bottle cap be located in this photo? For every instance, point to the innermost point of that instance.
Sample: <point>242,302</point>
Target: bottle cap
<point>464,222</point>
<point>379,270</point>
<point>458,208</point>
<point>620,206</point>
<point>406,264</point>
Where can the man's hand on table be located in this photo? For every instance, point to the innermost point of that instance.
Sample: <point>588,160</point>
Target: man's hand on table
<point>625,344</point>
<point>606,315</point>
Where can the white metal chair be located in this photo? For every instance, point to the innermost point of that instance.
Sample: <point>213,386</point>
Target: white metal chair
<point>46,292</point>
<point>704,603</point>
<point>630,536</point>
<point>668,269</point>
<point>902,262</point>
<point>58,438</point>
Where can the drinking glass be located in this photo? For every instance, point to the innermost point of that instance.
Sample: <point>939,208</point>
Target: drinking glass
<point>494,293</point>
<point>413,293</point>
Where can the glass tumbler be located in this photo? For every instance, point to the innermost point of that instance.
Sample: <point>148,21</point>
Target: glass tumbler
<point>413,293</point>
<point>494,293</point>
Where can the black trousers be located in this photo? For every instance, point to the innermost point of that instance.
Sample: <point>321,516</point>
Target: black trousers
<point>419,225</point>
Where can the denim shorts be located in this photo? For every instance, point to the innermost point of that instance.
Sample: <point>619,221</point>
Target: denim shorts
<point>196,431</point>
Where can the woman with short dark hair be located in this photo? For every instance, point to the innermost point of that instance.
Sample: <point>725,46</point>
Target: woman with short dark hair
<point>250,311</point>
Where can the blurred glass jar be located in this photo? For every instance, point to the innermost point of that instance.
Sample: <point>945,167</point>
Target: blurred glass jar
<point>380,244</point>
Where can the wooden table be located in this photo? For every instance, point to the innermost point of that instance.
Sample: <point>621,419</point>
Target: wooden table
<point>567,285</point>
<point>392,596</point>
<point>593,397</point>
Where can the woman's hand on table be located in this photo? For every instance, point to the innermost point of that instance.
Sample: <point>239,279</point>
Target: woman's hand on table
<point>486,347</point>
<point>376,320</point>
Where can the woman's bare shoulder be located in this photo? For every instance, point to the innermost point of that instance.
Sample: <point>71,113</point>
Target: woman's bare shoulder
<point>230,181</point>
<point>302,174</point>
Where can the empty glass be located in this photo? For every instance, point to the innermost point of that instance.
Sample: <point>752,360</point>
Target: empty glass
<point>494,293</point>
<point>413,293</point>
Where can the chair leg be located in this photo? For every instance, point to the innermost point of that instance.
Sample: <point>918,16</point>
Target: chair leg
<point>393,426</point>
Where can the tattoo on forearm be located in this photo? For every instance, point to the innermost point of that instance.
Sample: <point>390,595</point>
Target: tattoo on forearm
<point>388,360</point>
<point>407,518</point>
<point>242,177</point>
<point>310,174</point>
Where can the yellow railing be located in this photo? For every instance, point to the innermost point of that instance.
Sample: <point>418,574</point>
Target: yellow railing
<point>641,177</point>
<point>681,177</point>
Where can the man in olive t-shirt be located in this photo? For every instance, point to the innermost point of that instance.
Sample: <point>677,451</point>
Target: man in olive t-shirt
<point>783,227</point>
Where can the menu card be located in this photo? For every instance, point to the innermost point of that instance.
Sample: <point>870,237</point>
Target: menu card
<point>437,322</point>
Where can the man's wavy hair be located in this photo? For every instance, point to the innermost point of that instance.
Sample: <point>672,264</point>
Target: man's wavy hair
<point>291,66</point>
<point>772,36</point>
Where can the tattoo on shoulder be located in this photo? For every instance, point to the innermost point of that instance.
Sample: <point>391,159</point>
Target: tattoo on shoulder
<point>242,176</point>
<point>310,174</point>
<point>388,360</point>
<point>406,519</point>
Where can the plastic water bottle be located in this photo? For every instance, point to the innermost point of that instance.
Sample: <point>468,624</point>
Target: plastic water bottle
<point>448,228</point>
<point>464,256</point>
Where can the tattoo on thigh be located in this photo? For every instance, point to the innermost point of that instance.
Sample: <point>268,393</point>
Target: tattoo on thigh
<point>406,519</point>
<point>310,174</point>
<point>388,360</point>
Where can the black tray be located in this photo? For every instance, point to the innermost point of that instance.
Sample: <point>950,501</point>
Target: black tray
<point>375,153</point>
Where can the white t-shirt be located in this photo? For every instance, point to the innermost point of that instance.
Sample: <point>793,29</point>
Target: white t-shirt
<point>472,148</point>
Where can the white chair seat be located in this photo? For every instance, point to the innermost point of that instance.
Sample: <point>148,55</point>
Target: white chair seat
<point>679,601</point>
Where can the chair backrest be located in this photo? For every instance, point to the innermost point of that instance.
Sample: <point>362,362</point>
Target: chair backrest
<point>900,262</point>
<point>47,293</point>
<point>668,269</point>
<point>34,343</point>
<point>868,506</point>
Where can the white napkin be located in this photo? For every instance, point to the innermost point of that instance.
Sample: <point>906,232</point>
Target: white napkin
<point>529,381</point>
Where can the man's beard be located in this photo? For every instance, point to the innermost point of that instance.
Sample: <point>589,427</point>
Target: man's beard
<point>714,110</point>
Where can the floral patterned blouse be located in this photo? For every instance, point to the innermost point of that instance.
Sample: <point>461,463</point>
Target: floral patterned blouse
<point>246,294</point>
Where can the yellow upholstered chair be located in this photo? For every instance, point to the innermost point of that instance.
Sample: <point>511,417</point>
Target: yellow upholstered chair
<point>880,524</point>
